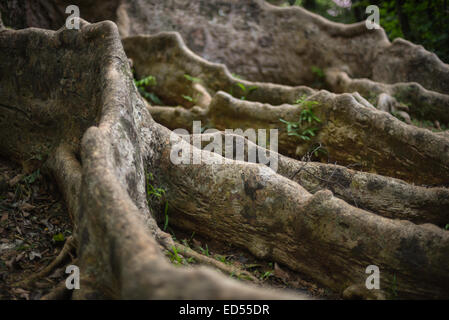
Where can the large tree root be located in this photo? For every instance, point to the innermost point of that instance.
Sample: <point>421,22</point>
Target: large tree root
<point>104,186</point>
<point>260,41</point>
<point>348,123</point>
<point>389,197</point>
<point>421,103</point>
<point>170,60</point>
<point>350,132</point>
<point>275,218</point>
<point>99,141</point>
<point>281,45</point>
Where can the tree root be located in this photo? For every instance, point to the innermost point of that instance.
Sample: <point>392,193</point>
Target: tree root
<point>100,143</point>
<point>65,253</point>
<point>268,214</point>
<point>202,259</point>
<point>385,196</point>
<point>419,102</point>
<point>348,122</point>
<point>60,292</point>
<point>287,45</point>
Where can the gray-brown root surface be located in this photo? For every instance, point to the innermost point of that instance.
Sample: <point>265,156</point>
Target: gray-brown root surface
<point>68,102</point>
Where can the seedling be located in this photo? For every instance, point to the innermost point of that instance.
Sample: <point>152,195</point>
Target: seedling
<point>245,91</point>
<point>266,275</point>
<point>157,193</point>
<point>145,82</point>
<point>303,128</point>
<point>192,79</point>
<point>188,98</point>
<point>205,251</point>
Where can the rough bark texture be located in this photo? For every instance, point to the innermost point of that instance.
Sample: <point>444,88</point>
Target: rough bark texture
<point>268,43</point>
<point>351,131</point>
<point>86,100</point>
<point>68,102</point>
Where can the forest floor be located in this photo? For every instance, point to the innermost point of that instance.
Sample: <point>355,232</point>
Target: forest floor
<point>34,225</point>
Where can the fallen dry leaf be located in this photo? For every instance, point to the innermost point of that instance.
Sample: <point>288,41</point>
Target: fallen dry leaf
<point>4,217</point>
<point>16,179</point>
<point>22,293</point>
<point>26,206</point>
<point>278,272</point>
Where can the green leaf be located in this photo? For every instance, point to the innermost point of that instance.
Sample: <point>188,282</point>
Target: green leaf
<point>188,98</point>
<point>316,119</point>
<point>154,98</point>
<point>166,216</point>
<point>192,79</point>
<point>251,89</point>
<point>242,86</point>
<point>58,237</point>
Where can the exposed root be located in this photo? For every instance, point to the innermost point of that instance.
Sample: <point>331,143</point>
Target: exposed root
<point>60,292</point>
<point>172,83</point>
<point>268,214</point>
<point>66,253</point>
<point>348,121</point>
<point>409,97</point>
<point>102,141</point>
<point>202,259</point>
<point>391,198</point>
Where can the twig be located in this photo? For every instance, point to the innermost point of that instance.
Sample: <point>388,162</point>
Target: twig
<point>69,245</point>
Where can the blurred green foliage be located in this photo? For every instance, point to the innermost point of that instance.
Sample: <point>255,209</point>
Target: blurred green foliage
<point>424,22</point>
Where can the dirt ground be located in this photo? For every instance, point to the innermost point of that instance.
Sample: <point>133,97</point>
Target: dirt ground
<point>34,225</point>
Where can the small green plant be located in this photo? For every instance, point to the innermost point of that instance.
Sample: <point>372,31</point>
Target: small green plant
<point>266,275</point>
<point>318,72</point>
<point>446,227</point>
<point>174,256</point>
<point>152,191</point>
<point>166,215</point>
<point>205,251</point>
<point>243,89</point>
<point>58,237</point>
<point>158,193</point>
<point>304,128</point>
<point>246,91</point>
<point>221,258</point>
<point>394,287</point>
<point>24,189</point>
<point>31,178</point>
<point>145,82</point>
<point>188,98</point>
<point>177,259</point>
<point>192,79</point>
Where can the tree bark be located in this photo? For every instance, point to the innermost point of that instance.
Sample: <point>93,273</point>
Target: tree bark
<point>69,104</point>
